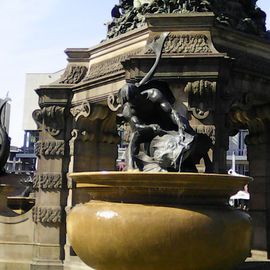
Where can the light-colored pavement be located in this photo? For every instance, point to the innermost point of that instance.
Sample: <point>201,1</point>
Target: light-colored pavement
<point>258,261</point>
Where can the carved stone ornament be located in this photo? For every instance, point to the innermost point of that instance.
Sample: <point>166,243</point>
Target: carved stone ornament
<point>52,215</point>
<point>87,119</point>
<point>50,148</point>
<point>87,112</point>
<point>110,66</point>
<point>113,103</point>
<point>37,150</point>
<point>52,117</point>
<point>201,97</point>
<point>73,74</point>
<point>37,116</point>
<point>47,181</point>
<point>74,137</point>
<point>82,110</point>
<point>185,44</point>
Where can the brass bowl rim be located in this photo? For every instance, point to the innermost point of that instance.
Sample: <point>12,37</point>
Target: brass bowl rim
<point>189,181</point>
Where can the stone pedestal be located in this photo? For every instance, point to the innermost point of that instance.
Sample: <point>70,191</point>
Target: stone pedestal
<point>50,182</point>
<point>259,160</point>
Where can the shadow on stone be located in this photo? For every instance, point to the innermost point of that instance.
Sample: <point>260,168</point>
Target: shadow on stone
<point>255,266</point>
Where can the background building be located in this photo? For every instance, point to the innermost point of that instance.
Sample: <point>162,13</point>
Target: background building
<point>239,148</point>
<point>32,82</point>
<point>23,160</point>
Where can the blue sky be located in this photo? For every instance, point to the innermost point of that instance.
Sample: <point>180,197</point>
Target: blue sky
<point>34,35</point>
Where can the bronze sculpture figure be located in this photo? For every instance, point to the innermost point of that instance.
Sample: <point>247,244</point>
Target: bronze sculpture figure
<point>161,139</point>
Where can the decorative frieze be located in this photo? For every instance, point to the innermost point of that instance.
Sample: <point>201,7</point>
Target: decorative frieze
<point>50,215</point>
<point>53,148</point>
<point>183,44</point>
<point>50,148</point>
<point>74,74</point>
<point>47,181</point>
<point>109,130</point>
<point>109,66</point>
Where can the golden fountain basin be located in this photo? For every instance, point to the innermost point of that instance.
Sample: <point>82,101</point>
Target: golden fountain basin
<point>159,221</point>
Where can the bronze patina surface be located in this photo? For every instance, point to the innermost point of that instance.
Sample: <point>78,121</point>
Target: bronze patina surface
<point>179,221</point>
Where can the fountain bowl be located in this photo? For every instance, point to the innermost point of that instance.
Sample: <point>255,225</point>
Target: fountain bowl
<point>154,221</point>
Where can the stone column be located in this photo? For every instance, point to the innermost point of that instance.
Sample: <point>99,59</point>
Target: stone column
<point>257,120</point>
<point>258,143</point>
<point>208,110</point>
<point>93,147</point>
<point>50,181</point>
<point>221,143</point>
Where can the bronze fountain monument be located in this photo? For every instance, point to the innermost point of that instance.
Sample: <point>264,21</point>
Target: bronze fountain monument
<point>171,82</point>
<point>160,213</point>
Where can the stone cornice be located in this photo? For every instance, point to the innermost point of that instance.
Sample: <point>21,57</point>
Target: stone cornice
<point>53,95</point>
<point>221,41</point>
<point>78,53</point>
<point>127,39</point>
<point>225,38</point>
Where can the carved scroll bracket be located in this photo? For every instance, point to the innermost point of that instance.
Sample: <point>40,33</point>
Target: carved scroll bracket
<point>85,114</point>
<point>201,98</point>
<point>83,110</point>
<point>94,122</point>
<point>113,102</point>
<point>52,118</point>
